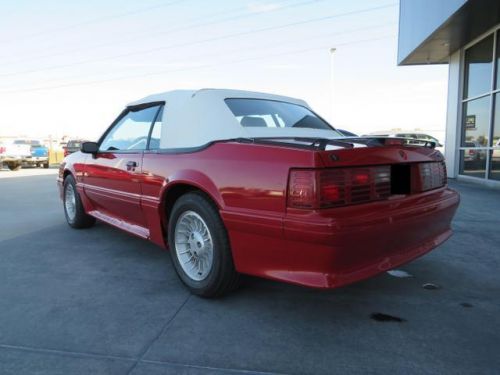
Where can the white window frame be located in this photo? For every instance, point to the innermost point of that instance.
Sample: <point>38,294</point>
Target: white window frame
<point>491,94</point>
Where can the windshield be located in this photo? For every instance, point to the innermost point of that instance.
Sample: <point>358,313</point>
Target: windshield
<point>275,114</point>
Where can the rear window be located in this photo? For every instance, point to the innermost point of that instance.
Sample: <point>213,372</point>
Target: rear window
<point>74,144</point>
<point>275,114</point>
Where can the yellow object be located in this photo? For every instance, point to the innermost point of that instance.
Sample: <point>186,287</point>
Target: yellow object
<point>55,157</point>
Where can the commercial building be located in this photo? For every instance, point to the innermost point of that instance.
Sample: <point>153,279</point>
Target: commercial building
<point>466,35</point>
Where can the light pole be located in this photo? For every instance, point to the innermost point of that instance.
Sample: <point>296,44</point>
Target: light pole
<point>332,87</point>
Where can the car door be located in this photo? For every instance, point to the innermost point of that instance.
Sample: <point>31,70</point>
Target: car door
<point>112,177</point>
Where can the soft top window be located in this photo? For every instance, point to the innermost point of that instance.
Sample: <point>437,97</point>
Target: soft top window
<point>275,114</point>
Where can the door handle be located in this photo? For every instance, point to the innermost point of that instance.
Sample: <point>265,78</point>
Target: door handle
<point>131,165</point>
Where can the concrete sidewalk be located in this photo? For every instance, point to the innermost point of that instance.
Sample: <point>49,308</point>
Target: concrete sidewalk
<point>103,302</point>
<point>28,172</point>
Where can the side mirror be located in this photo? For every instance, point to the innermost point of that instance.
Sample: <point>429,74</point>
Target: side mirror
<point>89,148</point>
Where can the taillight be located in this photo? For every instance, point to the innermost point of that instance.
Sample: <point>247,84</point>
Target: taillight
<point>325,188</point>
<point>432,176</point>
<point>2,149</point>
<point>332,184</point>
<point>302,190</point>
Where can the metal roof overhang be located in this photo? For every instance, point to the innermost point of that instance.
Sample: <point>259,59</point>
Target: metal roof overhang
<point>470,21</point>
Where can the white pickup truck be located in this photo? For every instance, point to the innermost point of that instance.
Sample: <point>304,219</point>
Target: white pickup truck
<point>13,155</point>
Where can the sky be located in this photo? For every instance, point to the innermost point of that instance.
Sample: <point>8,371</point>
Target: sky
<point>69,68</point>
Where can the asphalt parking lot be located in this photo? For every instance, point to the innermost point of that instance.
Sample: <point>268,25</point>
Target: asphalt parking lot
<point>103,302</point>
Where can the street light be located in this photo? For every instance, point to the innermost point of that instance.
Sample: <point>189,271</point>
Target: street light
<point>332,86</point>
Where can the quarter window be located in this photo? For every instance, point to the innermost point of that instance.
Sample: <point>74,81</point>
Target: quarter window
<point>131,132</point>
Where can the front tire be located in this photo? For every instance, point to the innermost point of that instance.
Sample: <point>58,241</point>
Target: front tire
<point>73,207</point>
<point>199,247</point>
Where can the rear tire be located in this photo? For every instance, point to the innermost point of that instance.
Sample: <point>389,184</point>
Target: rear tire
<point>199,247</point>
<point>73,207</point>
<point>14,166</point>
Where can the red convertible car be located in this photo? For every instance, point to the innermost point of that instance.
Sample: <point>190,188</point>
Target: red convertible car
<point>236,182</point>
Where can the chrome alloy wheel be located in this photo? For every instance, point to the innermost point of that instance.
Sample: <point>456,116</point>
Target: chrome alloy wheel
<point>193,245</point>
<point>70,202</point>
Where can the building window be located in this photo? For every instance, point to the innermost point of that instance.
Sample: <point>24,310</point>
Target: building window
<point>480,126</point>
<point>478,65</point>
<point>497,62</point>
<point>495,142</point>
<point>476,115</point>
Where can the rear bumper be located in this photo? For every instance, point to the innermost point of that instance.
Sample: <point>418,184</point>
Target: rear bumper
<point>334,247</point>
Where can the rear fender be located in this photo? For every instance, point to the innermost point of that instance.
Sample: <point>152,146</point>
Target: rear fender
<point>196,179</point>
<point>158,217</point>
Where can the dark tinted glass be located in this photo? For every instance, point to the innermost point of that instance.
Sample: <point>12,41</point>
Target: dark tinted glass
<point>473,162</point>
<point>497,84</point>
<point>475,123</point>
<point>275,114</point>
<point>478,65</point>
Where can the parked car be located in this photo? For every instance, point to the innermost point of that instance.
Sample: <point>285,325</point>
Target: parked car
<point>236,182</point>
<point>474,155</point>
<point>13,155</point>
<point>72,146</point>
<point>495,155</point>
<point>39,154</point>
<point>418,136</point>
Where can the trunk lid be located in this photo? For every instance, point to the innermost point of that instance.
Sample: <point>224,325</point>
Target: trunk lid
<point>361,151</point>
<point>361,170</point>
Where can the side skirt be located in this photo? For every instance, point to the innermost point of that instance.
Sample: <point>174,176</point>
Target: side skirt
<point>121,224</point>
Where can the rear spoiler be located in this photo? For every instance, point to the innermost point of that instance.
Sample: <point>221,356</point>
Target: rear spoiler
<point>388,141</point>
<point>320,144</point>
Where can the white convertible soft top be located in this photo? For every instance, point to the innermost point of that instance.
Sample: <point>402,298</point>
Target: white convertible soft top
<point>193,118</point>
